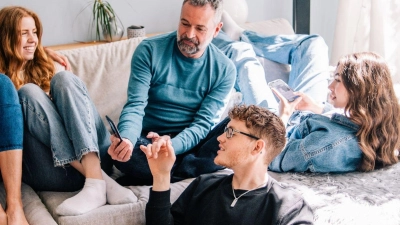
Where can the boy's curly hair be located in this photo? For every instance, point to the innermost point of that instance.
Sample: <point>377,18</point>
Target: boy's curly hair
<point>264,124</point>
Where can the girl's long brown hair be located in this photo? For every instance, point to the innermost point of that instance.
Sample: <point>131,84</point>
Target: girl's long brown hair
<point>373,106</point>
<point>41,68</point>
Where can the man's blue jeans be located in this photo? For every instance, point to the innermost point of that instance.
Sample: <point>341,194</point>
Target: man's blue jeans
<point>58,130</point>
<point>197,161</point>
<point>11,124</point>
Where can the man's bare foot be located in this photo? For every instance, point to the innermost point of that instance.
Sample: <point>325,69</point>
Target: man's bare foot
<point>16,217</point>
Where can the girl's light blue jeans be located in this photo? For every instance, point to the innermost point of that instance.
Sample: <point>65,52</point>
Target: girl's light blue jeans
<point>307,55</point>
<point>58,130</point>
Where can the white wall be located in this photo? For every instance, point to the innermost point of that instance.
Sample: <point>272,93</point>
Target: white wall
<point>63,24</point>
<point>323,19</point>
<point>269,9</point>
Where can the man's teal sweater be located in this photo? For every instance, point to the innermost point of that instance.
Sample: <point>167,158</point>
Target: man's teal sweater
<point>169,93</point>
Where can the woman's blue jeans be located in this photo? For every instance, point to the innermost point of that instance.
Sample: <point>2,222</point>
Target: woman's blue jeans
<point>58,130</point>
<point>306,54</point>
<point>11,124</point>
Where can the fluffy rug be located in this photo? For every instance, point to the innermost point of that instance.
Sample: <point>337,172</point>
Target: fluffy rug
<point>351,198</point>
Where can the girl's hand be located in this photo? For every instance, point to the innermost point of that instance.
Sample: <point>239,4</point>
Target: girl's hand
<point>308,104</point>
<point>286,108</point>
<point>57,57</point>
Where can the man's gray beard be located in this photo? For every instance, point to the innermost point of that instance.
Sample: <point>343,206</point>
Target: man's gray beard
<point>187,48</point>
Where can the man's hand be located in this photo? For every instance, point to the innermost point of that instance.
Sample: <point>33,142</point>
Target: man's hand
<point>120,150</point>
<point>58,58</point>
<point>161,157</point>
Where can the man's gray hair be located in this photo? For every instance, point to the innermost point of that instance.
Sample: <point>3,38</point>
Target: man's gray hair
<point>217,5</point>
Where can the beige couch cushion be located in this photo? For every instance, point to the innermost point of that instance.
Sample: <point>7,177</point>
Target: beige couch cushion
<point>105,69</point>
<point>35,211</point>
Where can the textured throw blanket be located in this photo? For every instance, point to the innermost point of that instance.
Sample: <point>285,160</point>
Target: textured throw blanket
<point>351,198</point>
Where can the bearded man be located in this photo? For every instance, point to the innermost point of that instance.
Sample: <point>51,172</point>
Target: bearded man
<point>179,86</point>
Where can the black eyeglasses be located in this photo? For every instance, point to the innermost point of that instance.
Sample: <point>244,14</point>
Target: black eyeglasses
<point>230,131</point>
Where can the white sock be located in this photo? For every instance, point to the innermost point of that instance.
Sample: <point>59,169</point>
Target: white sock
<point>230,27</point>
<point>116,194</point>
<point>92,196</point>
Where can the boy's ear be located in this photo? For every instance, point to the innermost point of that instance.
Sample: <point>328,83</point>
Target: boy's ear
<point>259,146</point>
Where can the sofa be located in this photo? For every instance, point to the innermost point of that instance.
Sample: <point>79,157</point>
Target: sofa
<point>350,198</point>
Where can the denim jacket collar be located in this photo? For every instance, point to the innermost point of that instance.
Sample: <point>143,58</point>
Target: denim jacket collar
<point>345,121</point>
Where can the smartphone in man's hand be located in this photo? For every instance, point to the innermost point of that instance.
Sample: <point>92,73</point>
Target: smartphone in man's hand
<point>284,89</point>
<point>114,128</point>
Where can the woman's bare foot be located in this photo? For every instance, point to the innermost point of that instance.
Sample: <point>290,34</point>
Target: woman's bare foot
<point>16,216</point>
<point>3,217</point>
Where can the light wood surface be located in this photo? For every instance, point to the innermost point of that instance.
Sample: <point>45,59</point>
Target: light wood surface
<point>86,44</point>
<point>76,45</point>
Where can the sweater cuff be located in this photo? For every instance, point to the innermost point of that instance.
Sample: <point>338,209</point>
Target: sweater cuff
<point>159,198</point>
<point>177,145</point>
<point>130,136</point>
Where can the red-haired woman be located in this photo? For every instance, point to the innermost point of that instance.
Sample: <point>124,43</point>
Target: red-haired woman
<point>61,124</point>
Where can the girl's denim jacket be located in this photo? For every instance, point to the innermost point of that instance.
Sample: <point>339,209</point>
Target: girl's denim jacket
<point>320,144</point>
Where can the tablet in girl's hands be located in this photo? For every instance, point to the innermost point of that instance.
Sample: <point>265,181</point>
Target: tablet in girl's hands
<point>284,89</point>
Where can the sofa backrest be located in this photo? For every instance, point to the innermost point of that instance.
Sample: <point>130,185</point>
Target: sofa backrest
<point>105,69</point>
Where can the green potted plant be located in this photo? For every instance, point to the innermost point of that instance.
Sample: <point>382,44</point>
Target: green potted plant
<point>106,21</point>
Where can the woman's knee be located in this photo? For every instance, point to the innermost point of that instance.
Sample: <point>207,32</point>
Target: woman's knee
<point>30,90</point>
<point>66,85</point>
<point>316,42</point>
<point>65,80</point>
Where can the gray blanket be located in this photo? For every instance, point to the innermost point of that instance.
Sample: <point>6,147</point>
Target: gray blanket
<point>350,198</point>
